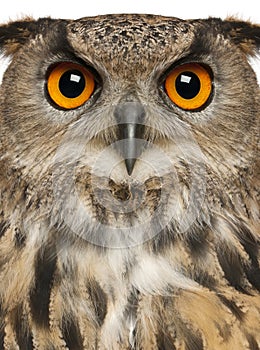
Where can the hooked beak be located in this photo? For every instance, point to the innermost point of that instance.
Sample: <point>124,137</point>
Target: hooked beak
<point>130,117</point>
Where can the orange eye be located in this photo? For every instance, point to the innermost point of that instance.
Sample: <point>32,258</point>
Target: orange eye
<point>70,85</point>
<point>189,86</point>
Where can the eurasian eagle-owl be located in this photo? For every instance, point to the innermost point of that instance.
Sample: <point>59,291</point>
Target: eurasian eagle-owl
<point>129,184</point>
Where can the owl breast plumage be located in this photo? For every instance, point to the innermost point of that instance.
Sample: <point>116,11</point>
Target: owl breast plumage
<point>129,184</point>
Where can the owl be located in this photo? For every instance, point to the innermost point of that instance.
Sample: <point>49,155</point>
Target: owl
<point>129,184</point>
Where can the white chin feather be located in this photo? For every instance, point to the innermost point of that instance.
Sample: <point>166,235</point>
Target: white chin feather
<point>255,64</point>
<point>4,63</point>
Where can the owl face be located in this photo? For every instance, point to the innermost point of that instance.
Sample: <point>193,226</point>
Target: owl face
<point>123,126</point>
<point>129,184</point>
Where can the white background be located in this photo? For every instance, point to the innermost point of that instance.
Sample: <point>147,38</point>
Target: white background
<point>245,9</point>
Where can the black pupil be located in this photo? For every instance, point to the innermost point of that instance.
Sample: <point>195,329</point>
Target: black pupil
<point>187,85</point>
<point>72,83</point>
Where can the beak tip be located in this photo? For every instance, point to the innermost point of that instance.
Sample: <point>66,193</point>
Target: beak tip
<point>130,162</point>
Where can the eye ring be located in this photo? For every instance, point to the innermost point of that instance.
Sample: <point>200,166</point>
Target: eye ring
<point>189,86</point>
<point>70,85</point>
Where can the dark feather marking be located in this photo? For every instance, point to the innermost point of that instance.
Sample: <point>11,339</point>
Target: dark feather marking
<point>232,307</point>
<point>249,243</point>
<point>21,31</point>
<point>40,296</point>
<point>20,238</point>
<point>4,258</point>
<point>2,334</point>
<point>164,239</point>
<point>201,44</point>
<point>71,334</point>
<point>253,275</point>
<point>193,341</point>
<point>4,225</point>
<point>197,239</point>
<point>197,242</point>
<point>204,279</point>
<point>232,267</point>
<point>132,303</point>
<point>252,342</point>
<point>251,246</point>
<point>242,32</point>
<point>20,326</point>
<point>99,300</point>
<point>165,341</point>
<point>197,245</point>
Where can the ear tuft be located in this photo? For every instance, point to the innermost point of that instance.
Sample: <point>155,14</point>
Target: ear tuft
<point>14,34</point>
<point>243,33</point>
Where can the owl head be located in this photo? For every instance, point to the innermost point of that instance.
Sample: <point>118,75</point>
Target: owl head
<point>119,127</point>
